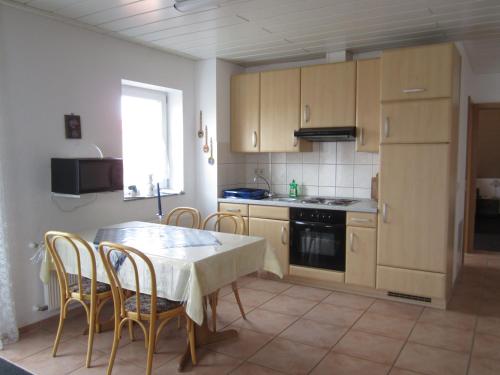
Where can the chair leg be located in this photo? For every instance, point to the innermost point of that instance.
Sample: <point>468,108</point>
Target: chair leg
<point>91,333</point>
<point>114,348</point>
<point>131,330</point>
<point>151,349</point>
<point>212,299</point>
<point>59,330</point>
<point>237,296</point>
<point>192,339</point>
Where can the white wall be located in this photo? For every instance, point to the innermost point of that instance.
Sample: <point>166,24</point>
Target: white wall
<point>50,69</point>
<point>485,88</point>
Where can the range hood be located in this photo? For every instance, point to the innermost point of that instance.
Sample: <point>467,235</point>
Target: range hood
<point>343,134</point>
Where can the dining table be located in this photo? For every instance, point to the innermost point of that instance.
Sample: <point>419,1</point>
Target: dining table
<point>190,264</point>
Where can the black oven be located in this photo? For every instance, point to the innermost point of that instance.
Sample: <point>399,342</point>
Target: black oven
<point>317,238</point>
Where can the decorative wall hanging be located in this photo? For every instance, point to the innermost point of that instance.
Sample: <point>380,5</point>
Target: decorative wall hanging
<point>200,131</point>
<point>72,126</point>
<point>211,159</point>
<point>205,146</point>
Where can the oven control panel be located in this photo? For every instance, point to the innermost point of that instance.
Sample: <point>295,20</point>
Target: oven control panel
<point>318,216</point>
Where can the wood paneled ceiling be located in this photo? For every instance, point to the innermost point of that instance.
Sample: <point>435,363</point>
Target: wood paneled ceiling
<point>252,32</point>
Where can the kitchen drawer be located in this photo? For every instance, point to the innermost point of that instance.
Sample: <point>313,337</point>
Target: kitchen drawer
<point>269,212</point>
<point>413,282</point>
<point>362,219</point>
<point>317,274</point>
<point>237,208</point>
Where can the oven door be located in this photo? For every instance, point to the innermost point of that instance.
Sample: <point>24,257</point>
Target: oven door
<point>317,245</point>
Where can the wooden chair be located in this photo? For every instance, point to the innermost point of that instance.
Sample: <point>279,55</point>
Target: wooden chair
<point>90,293</point>
<point>220,222</point>
<point>140,308</point>
<point>179,212</point>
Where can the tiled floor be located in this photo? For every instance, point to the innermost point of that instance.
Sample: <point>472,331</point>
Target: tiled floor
<point>300,330</point>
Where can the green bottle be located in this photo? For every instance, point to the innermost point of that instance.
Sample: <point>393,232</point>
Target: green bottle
<point>293,190</point>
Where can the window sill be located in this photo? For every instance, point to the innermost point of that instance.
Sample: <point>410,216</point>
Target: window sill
<point>164,193</point>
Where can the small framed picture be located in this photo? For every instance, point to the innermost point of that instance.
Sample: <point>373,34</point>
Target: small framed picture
<point>73,126</point>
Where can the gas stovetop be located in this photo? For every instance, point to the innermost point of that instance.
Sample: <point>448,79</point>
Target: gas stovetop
<point>329,201</point>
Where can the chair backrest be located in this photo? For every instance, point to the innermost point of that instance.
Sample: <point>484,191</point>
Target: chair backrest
<point>176,215</point>
<point>59,242</point>
<point>220,221</point>
<point>132,255</point>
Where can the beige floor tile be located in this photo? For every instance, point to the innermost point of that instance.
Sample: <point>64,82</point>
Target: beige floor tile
<point>250,297</point>
<point>305,292</point>
<point>486,346</point>
<point>340,364</point>
<point>432,361</point>
<point>484,366</point>
<point>374,348</point>
<point>28,344</point>
<point>464,304</point>
<point>227,313</point>
<point>337,315</point>
<point>349,300</point>
<point>447,318</point>
<point>443,337</point>
<point>265,321</point>
<point>70,356</point>
<point>253,369</point>
<point>288,356</point>
<point>242,281</point>
<point>104,341</point>
<point>209,363</point>
<point>244,346</point>
<point>488,325</point>
<point>289,305</point>
<point>100,366</point>
<point>400,371</point>
<point>314,333</point>
<point>396,309</point>
<point>268,285</point>
<point>384,325</point>
<point>489,307</point>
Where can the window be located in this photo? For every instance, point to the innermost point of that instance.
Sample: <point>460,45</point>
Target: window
<point>146,132</point>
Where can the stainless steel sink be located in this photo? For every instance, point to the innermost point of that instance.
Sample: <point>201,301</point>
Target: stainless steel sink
<point>283,199</point>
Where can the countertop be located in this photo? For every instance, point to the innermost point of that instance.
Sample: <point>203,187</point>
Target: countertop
<point>363,205</point>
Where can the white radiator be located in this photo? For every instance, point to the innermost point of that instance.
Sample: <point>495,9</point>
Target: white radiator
<point>51,291</point>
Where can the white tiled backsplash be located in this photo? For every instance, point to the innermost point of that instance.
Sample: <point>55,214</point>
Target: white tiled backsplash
<point>331,169</point>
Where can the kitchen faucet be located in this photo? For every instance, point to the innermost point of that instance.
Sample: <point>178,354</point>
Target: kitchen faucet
<point>258,175</point>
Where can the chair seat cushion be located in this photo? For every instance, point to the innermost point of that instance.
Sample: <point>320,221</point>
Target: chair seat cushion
<point>86,287</point>
<point>162,304</point>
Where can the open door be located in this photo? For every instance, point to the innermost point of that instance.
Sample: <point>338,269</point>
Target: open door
<point>470,180</point>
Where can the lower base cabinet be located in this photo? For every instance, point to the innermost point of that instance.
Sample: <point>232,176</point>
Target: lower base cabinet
<point>361,256</point>
<point>276,232</point>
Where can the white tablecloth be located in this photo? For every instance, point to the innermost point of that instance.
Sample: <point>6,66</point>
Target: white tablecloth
<point>185,273</point>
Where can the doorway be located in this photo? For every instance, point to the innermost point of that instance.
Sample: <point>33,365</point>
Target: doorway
<point>482,205</point>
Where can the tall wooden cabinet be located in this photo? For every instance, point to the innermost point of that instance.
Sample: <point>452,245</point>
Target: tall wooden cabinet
<point>245,112</point>
<point>280,111</point>
<point>420,99</point>
<point>328,96</point>
<point>368,105</point>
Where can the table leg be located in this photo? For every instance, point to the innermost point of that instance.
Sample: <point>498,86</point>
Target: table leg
<point>205,336</point>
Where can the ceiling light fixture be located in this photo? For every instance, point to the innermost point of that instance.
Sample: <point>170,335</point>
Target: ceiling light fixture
<point>186,6</point>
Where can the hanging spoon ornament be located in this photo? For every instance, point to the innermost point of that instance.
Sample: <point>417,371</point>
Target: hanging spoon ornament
<point>200,131</point>
<point>205,146</point>
<point>211,159</point>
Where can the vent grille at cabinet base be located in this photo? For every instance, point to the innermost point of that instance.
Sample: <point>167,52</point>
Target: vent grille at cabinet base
<point>410,297</point>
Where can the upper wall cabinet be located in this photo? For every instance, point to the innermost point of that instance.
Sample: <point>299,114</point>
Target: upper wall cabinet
<point>419,72</point>
<point>368,105</point>
<point>280,111</point>
<point>328,95</point>
<point>245,112</point>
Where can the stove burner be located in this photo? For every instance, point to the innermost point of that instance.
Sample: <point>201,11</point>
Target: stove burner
<point>330,202</point>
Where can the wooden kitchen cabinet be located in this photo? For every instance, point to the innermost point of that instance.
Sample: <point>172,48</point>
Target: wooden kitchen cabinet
<point>245,112</point>
<point>276,232</point>
<point>280,111</point>
<point>421,121</point>
<point>361,256</point>
<point>227,226</point>
<point>368,105</point>
<point>328,96</point>
<point>422,72</point>
<point>414,204</point>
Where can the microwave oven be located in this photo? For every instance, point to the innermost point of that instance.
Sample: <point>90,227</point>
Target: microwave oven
<point>86,175</point>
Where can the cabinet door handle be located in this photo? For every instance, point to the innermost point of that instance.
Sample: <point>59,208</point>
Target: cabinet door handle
<point>254,138</point>
<point>412,91</point>
<point>359,220</point>
<point>351,242</point>
<point>362,136</point>
<point>283,235</point>
<point>384,212</point>
<point>307,113</point>
<point>386,127</point>
<point>233,210</point>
